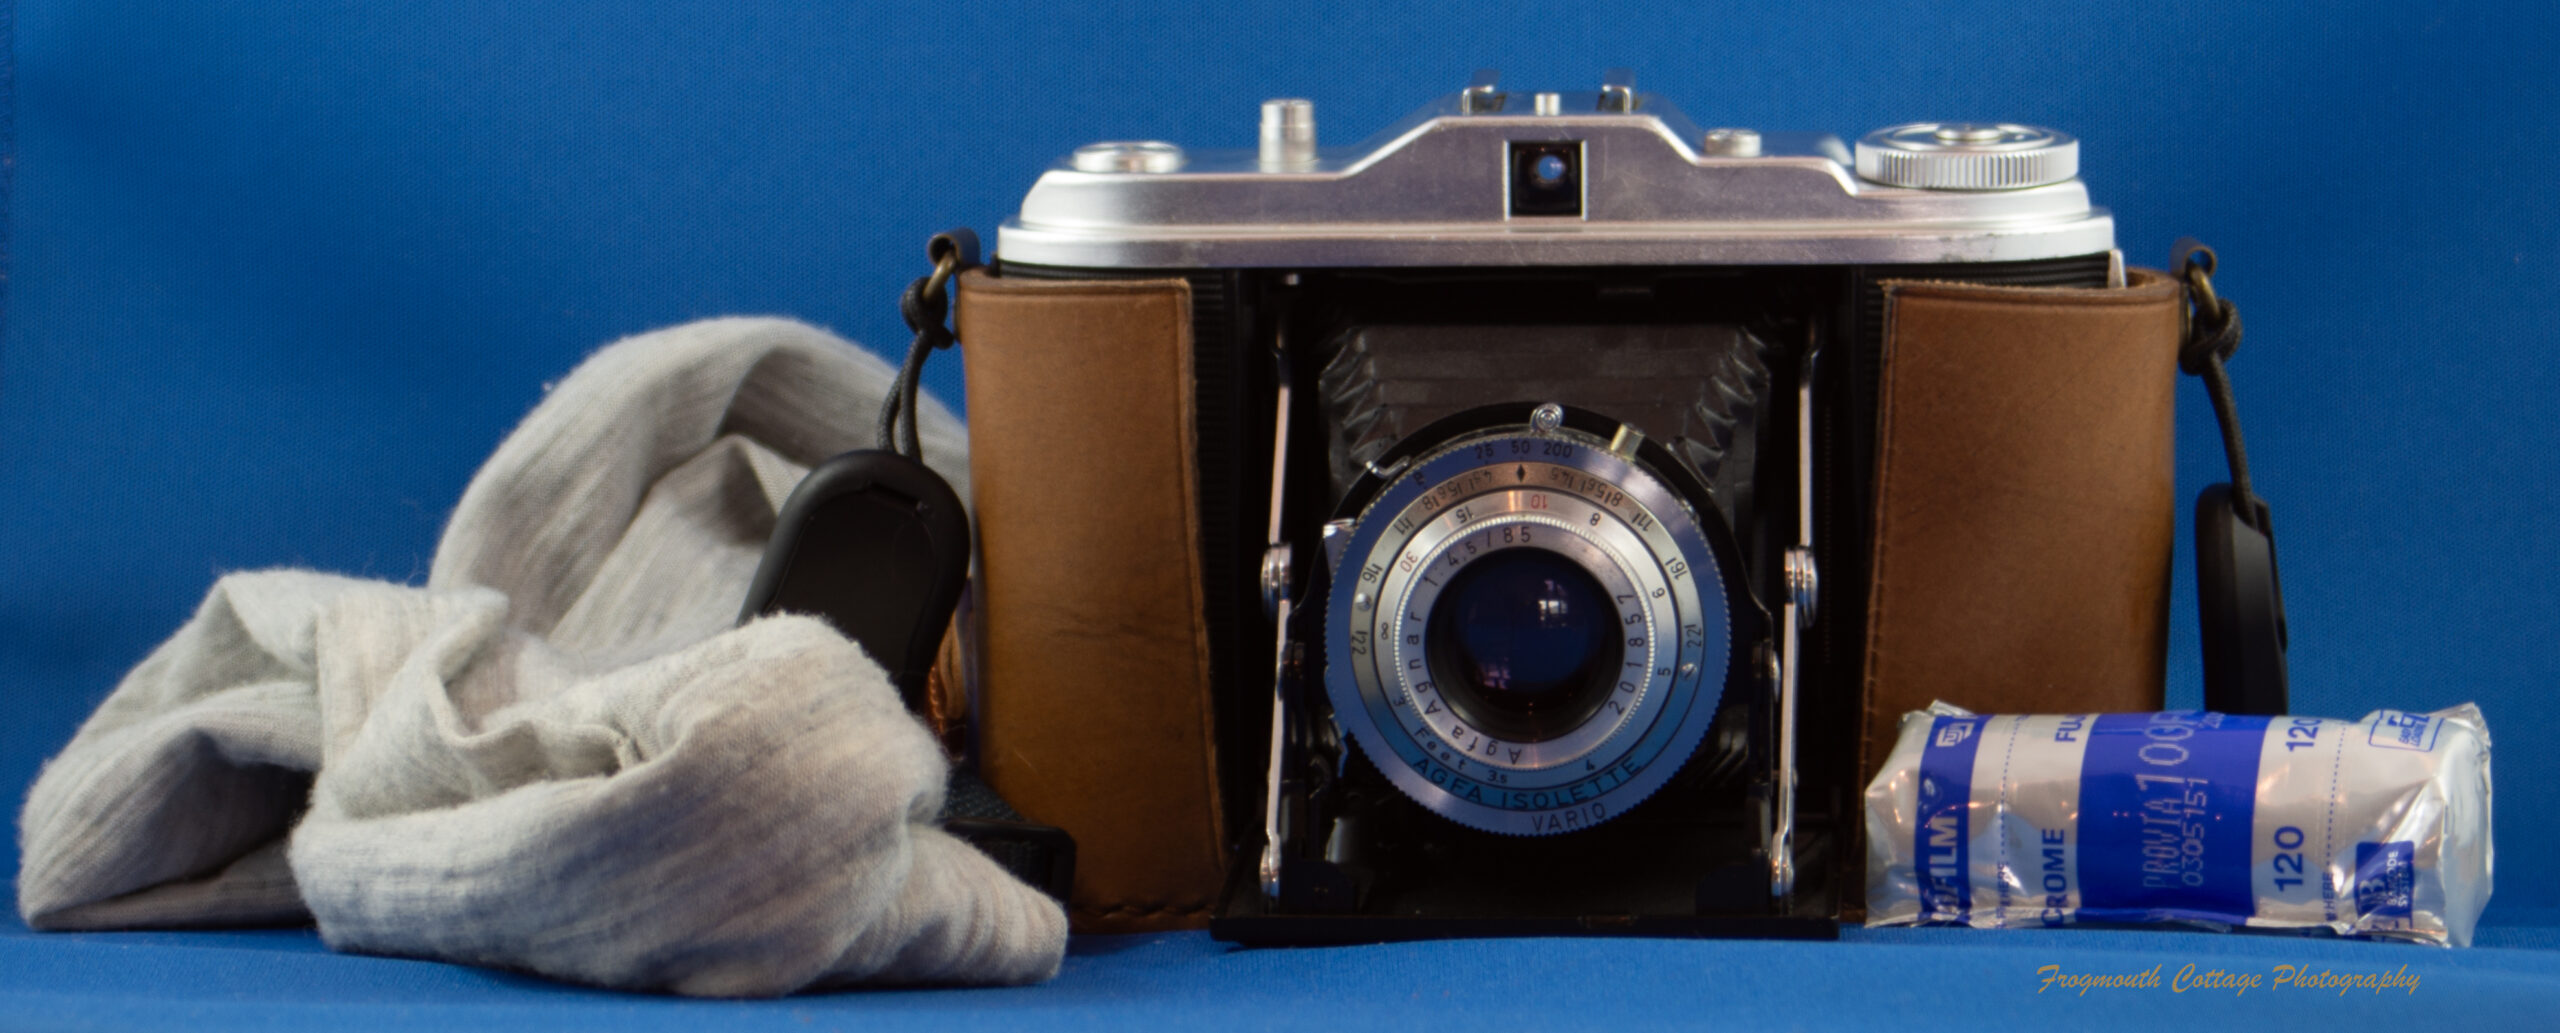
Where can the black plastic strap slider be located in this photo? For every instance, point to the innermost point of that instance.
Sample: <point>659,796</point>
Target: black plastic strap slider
<point>2239,599</point>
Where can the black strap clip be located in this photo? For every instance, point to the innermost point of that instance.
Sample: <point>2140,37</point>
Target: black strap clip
<point>2239,598</point>
<point>877,544</point>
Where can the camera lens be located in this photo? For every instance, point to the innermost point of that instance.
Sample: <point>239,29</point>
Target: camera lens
<point>1530,630</point>
<point>1524,644</point>
<point>1548,169</point>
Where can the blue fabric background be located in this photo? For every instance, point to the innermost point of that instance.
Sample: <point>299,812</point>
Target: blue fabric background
<point>279,275</point>
<point>1903,979</point>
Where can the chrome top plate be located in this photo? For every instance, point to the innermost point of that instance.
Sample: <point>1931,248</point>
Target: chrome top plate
<point>1431,191</point>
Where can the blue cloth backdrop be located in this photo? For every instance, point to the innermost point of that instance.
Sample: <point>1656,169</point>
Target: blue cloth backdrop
<point>278,275</point>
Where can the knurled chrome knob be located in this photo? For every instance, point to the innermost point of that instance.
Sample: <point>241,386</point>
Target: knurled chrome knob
<point>1967,156</point>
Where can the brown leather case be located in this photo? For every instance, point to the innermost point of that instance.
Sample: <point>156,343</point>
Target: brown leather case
<point>2023,533</point>
<point>946,690</point>
<point>2025,509</point>
<point>1093,701</point>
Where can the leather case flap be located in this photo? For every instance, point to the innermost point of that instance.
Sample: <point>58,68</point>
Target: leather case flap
<point>2025,511</point>
<point>1094,711</point>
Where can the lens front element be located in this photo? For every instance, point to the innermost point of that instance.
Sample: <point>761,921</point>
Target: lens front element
<point>1524,642</point>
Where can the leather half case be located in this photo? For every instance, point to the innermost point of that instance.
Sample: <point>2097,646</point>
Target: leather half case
<point>1093,709</point>
<point>2025,501</point>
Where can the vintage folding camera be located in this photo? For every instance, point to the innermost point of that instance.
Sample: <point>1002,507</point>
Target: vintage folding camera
<point>1480,529</point>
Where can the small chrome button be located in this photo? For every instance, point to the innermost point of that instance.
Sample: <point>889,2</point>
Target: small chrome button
<point>1731,143</point>
<point>1128,156</point>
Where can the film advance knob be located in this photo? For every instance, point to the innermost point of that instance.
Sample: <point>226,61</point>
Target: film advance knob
<point>1967,156</point>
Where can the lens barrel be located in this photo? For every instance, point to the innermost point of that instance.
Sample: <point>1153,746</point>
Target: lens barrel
<point>1528,632</point>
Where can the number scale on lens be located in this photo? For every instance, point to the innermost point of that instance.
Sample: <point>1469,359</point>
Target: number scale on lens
<point>1519,638</point>
<point>1578,592</point>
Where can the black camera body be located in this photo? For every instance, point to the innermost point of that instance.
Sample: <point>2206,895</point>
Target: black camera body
<point>1560,401</point>
<point>1534,462</point>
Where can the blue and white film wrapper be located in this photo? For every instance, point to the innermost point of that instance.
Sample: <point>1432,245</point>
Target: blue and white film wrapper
<point>2377,827</point>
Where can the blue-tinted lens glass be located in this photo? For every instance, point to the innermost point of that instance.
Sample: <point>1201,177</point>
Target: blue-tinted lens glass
<point>1530,637</point>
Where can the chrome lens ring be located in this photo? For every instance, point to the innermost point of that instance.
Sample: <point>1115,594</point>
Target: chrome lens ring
<point>1621,524</point>
<point>1503,521</point>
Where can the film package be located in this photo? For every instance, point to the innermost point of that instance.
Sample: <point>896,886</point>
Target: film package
<point>2373,827</point>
